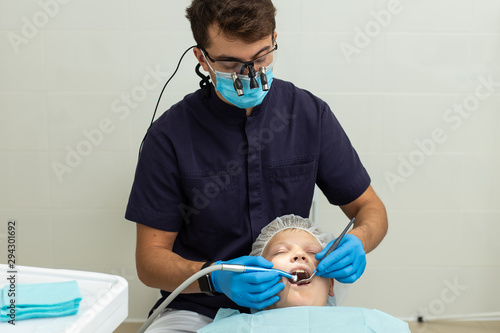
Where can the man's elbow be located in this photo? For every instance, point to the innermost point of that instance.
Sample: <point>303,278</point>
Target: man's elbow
<point>142,272</point>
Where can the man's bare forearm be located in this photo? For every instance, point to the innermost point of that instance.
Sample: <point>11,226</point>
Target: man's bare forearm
<point>157,265</point>
<point>370,226</point>
<point>371,219</point>
<point>163,269</point>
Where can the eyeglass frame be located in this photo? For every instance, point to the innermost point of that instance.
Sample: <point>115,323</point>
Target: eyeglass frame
<point>245,64</point>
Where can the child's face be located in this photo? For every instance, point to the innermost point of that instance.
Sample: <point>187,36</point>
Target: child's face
<point>291,250</point>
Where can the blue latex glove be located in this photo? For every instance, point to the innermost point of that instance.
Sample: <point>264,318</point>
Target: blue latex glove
<point>256,290</point>
<point>346,263</point>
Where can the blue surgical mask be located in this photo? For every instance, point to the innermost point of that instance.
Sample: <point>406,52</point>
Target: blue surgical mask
<point>251,97</point>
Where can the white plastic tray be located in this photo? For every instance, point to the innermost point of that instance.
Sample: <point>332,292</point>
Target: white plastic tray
<point>103,307</point>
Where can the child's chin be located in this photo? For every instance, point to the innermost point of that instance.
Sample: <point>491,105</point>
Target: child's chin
<point>287,304</point>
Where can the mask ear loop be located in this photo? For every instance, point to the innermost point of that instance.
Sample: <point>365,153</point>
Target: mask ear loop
<point>205,81</point>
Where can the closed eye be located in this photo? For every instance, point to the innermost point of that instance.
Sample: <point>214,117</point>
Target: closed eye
<point>281,251</point>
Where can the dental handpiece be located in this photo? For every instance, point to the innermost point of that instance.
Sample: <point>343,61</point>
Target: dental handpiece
<point>279,271</point>
<point>243,268</point>
<point>197,275</point>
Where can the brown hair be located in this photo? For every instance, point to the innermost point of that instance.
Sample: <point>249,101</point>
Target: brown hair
<point>248,20</point>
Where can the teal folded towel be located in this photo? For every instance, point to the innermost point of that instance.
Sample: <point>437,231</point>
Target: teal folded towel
<point>39,300</point>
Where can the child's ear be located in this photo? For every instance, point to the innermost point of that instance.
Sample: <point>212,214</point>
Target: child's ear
<point>330,291</point>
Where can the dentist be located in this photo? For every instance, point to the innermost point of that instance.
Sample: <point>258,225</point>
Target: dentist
<point>226,160</point>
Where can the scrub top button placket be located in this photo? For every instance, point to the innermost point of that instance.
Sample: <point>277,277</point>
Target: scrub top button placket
<point>254,173</point>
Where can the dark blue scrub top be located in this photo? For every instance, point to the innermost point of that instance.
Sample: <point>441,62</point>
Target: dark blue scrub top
<point>217,177</point>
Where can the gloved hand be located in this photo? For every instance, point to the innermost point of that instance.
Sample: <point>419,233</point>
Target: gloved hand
<point>346,263</point>
<point>256,290</point>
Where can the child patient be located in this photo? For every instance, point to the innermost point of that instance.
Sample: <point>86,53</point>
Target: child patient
<point>291,242</point>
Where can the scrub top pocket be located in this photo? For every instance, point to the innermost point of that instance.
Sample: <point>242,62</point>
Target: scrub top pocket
<point>292,187</point>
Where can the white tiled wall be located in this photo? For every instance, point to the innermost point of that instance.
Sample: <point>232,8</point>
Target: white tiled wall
<point>81,74</point>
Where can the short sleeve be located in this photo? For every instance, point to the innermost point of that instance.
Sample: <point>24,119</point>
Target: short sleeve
<point>156,195</point>
<point>341,175</point>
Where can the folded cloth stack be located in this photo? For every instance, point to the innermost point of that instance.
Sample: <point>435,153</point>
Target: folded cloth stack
<point>39,300</point>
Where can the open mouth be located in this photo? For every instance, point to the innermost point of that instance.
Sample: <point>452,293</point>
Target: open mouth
<point>300,274</point>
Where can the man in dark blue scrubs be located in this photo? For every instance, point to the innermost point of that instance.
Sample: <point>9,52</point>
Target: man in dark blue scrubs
<point>217,167</point>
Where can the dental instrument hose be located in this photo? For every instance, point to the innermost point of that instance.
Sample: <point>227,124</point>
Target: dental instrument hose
<point>185,284</point>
